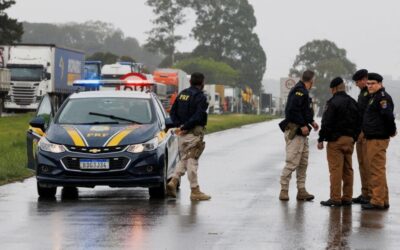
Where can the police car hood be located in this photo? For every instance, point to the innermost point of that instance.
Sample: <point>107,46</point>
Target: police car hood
<point>100,135</point>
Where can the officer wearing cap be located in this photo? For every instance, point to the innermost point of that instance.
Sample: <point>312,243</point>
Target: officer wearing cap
<point>340,127</point>
<point>297,126</point>
<point>361,79</point>
<point>378,126</point>
<point>189,114</point>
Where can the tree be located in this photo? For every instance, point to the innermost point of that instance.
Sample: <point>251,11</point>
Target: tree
<point>162,38</point>
<point>224,30</point>
<point>215,72</point>
<point>10,29</point>
<point>105,58</point>
<point>327,61</point>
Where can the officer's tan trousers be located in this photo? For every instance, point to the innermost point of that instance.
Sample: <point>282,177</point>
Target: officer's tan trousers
<point>361,147</point>
<point>376,155</point>
<point>187,143</point>
<point>339,154</point>
<point>296,160</point>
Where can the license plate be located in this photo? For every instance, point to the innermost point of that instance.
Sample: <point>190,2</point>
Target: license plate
<point>94,164</point>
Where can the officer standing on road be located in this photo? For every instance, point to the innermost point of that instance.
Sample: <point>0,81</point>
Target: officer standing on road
<point>378,127</point>
<point>361,80</point>
<point>189,114</point>
<point>296,126</point>
<point>340,127</point>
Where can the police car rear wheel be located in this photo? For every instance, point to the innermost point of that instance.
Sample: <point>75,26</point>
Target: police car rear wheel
<point>46,192</point>
<point>160,192</point>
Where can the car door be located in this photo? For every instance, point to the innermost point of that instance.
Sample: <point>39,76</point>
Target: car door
<point>33,135</point>
<point>172,140</point>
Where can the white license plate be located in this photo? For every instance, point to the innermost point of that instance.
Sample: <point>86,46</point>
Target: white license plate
<point>94,164</point>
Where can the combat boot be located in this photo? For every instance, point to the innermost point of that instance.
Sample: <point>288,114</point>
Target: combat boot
<point>197,195</point>
<point>303,195</point>
<point>284,195</point>
<point>171,187</point>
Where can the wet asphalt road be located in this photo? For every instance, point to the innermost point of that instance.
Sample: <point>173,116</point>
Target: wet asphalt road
<point>240,169</point>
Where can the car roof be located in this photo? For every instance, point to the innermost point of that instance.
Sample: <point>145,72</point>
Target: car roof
<point>111,94</point>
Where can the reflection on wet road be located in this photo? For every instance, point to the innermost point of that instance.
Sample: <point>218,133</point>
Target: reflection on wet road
<point>240,169</point>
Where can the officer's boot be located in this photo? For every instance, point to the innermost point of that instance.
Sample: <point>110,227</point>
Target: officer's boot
<point>171,187</point>
<point>303,195</point>
<point>284,195</point>
<point>197,195</point>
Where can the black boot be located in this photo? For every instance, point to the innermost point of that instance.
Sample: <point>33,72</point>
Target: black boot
<point>361,200</point>
<point>370,206</point>
<point>331,203</point>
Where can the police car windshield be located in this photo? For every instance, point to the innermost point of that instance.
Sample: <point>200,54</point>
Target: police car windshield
<point>128,110</point>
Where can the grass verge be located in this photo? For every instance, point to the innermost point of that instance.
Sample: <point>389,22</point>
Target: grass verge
<point>13,155</point>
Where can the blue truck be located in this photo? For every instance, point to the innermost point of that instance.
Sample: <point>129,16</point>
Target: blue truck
<point>39,69</point>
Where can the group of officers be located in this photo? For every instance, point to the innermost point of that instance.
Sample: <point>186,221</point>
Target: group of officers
<point>367,123</point>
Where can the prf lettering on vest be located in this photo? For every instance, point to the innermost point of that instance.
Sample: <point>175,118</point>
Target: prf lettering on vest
<point>184,97</point>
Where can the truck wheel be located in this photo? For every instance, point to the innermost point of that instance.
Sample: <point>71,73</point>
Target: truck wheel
<point>46,192</point>
<point>160,192</point>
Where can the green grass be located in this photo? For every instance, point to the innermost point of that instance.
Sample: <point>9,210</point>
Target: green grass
<point>222,122</point>
<point>13,148</point>
<point>13,158</point>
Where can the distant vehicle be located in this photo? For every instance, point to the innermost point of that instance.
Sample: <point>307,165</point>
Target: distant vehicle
<point>108,138</point>
<point>5,79</point>
<point>176,80</point>
<point>92,70</point>
<point>215,94</point>
<point>119,69</point>
<point>39,69</point>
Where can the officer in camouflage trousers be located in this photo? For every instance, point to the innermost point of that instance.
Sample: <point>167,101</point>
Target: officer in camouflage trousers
<point>189,114</point>
<point>297,126</point>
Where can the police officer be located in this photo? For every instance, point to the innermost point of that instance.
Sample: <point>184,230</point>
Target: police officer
<point>340,127</point>
<point>297,126</point>
<point>361,79</point>
<point>378,127</point>
<point>189,114</point>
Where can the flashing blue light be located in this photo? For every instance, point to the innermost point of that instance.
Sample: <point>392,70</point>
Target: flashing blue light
<point>87,83</point>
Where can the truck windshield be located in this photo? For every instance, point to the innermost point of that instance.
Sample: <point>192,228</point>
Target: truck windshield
<point>26,73</point>
<point>101,110</point>
<point>92,72</point>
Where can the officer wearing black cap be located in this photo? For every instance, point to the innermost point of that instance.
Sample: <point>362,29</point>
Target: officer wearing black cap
<point>378,126</point>
<point>340,127</point>
<point>361,80</point>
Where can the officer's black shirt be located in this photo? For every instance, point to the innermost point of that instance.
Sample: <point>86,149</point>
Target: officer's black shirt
<point>299,106</point>
<point>341,118</point>
<point>190,109</point>
<point>363,99</point>
<point>378,122</point>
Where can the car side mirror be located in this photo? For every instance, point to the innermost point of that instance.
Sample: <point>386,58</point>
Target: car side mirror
<point>38,122</point>
<point>48,75</point>
<point>169,123</point>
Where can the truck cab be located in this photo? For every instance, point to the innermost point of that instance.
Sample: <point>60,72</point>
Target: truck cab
<point>92,70</point>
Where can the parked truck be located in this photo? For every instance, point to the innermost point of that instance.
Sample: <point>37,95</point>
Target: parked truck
<point>4,86</point>
<point>216,96</point>
<point>38,69</point>
<point>92,70</point>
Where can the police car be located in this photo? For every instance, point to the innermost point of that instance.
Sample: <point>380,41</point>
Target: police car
<point>108,138</point>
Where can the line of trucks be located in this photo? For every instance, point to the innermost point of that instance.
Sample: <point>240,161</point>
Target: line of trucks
<point>29,71</point>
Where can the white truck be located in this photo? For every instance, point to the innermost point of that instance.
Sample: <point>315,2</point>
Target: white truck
<point>4,86</point>
<point>119,69</point>
<point>213,94</point>
<point>38,69</point>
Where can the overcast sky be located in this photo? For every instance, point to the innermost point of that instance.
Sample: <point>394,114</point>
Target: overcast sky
<point>368,29</point>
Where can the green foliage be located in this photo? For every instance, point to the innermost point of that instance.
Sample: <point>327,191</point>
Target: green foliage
<point>162,38</point>
<point>105,58</point>
<point>127,59</point>
<point>222,122</point>
<point>327,61</point>
<point>13,157</point>
<point>10,29</point>
<point>225,32</point>
<point>91,37</point>
<point>215,72</point>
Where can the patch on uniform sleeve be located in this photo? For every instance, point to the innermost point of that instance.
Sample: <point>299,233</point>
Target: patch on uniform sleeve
<point>365,93</point>
<point>371,101</point>
<point>383,104</point>
<point>298,93</point>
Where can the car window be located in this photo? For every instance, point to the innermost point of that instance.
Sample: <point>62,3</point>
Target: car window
<point>159,111</point>
<point>80,111</point>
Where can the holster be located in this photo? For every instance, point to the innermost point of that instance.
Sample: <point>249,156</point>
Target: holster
<point>293,130</point>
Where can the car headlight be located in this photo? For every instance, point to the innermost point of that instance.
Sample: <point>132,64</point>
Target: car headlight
<point>147,146</point>
<point>47,146</point>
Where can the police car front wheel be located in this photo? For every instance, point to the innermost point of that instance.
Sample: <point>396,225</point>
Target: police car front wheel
<point>46,192</point>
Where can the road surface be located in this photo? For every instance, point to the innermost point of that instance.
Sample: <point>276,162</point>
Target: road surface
<point>240,169</point>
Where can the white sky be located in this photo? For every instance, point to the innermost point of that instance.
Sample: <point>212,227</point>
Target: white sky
<point>368,29</point>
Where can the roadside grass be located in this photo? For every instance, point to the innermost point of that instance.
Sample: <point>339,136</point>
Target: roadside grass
<point>13,157</point>
<point>222,122</point>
